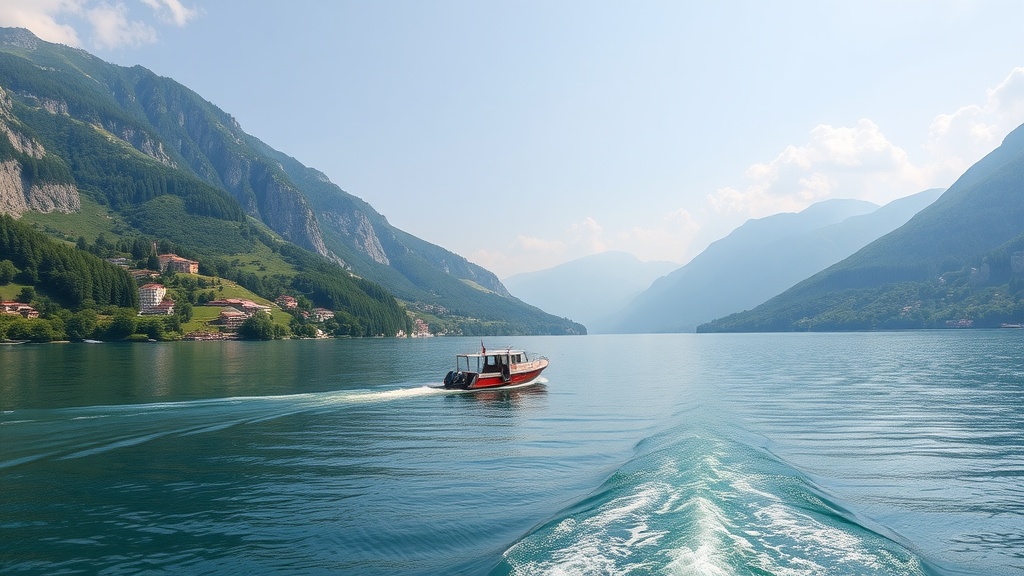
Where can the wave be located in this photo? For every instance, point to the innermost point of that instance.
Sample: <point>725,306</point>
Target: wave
<point>70,433</point>
<point>694,504</point>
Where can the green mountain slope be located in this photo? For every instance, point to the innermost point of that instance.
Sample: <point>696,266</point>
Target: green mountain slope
<point>778,251</point>
<point>957,262</point>
<point>127,138</point>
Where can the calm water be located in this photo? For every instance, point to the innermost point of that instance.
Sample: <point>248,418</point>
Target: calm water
<point>892,453</point>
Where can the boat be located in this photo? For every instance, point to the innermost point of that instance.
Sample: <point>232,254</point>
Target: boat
<point>487,370</point>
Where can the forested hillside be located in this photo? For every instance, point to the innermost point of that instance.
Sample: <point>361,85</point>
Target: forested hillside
<point>72,277</point>
<point>170,166</point>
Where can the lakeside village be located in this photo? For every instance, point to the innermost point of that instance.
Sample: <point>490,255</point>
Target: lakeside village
<point>231,315</point>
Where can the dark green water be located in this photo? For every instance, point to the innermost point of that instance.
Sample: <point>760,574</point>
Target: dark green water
<point>892,453</point>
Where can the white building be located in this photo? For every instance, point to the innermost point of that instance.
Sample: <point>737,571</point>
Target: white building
<point>151,295</point>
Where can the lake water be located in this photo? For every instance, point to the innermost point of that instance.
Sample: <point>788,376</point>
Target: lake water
<point>875,453</point>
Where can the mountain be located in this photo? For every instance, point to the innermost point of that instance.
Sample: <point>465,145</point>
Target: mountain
<point>758,260</point>
<point>170,165</point>
<point>958,262</point>
<point>586,288</point>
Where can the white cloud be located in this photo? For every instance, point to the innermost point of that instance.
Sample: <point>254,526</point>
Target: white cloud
<point>861,162</point>
<point>1007,99</point>
<point>957,140</point>
<point>586,237</point>
<point>172,11</point>
<point>845,161</point>
<point>113,29</point>
<point>104,24</point>
<point>39,16</point>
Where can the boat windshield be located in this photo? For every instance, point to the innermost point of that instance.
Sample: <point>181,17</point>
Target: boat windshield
<point>488,362</point>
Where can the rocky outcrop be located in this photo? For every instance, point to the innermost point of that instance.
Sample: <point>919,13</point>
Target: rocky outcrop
<point>21,143</point>
<point>54,198</point>
<point>211,144</point>
<point>141,141</point>
<point>17,196</point>
<point>12,198</point>
<point>1017,263</point>
<point>19,38</point>
<point>51,105</point>
<point>286,212</point>
<point>360,230</point>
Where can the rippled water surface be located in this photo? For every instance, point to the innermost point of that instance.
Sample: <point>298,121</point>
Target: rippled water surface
<point>881,453</point>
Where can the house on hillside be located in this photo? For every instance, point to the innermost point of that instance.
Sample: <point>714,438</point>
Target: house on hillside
<point>153,300</point>
<point>176,263</point>
<point>142,275</point>
<point>321,314</point>
<point>151,295</point>
<point>120,261</point>
<point>164,308</point>
<point>420,329</point>
<point>10,308</point>
<point>231,318</point>
<point>247,307</point>
<point>287,302</point>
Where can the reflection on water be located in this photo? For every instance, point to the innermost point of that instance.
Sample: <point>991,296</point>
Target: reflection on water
<point>526,396</point>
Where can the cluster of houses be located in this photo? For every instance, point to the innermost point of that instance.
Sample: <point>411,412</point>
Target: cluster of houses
<point>167,262</point>
<point>235,311</point>
<point>420,329</point>
<point>9,308</point>
<point>287,302</point>
<point>153,300</point>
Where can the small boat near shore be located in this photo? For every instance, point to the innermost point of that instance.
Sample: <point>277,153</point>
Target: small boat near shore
<point>495,369</point>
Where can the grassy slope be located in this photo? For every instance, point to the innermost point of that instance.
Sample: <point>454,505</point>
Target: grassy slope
<point>202,315</point>
<point>93,220</point>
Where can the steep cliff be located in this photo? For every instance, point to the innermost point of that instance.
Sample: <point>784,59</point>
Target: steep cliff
<point>22,190</point>
<point>212,144</point>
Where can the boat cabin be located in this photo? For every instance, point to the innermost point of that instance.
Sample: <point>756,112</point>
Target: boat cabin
<point>489,362</point>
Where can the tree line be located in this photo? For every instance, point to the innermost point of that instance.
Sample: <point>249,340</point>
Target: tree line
<point>75,278</point>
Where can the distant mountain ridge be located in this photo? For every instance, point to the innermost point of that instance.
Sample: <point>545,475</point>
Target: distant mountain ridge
<point>587,288</point>
<point>164,139</point>
<point>757,261</point>
<point>958,262</point>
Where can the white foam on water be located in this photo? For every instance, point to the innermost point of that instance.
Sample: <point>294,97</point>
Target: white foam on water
<point>387,395</point>
<point>606,543</point>
<point>697,509</point>
<point>149,422</point>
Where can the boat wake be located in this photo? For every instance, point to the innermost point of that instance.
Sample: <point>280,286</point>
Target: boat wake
<point>710,507</point>
<point>33,435</point>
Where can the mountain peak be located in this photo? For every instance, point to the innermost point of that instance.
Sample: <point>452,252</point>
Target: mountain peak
<point>19,38</point>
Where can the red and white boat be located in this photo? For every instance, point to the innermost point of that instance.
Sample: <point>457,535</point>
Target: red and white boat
<point>501,368</point>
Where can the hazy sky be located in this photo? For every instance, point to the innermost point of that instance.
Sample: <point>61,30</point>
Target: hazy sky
<point>521,134</point>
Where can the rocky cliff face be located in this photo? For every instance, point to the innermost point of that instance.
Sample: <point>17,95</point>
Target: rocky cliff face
<point>212,144</point>
<point>358,228</point>
<point>285,210</point>
<point>17,194</point>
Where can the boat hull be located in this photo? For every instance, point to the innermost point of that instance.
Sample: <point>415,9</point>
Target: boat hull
<point>490,381</point>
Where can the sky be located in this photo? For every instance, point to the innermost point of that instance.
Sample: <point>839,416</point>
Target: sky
<point>521,134</point>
